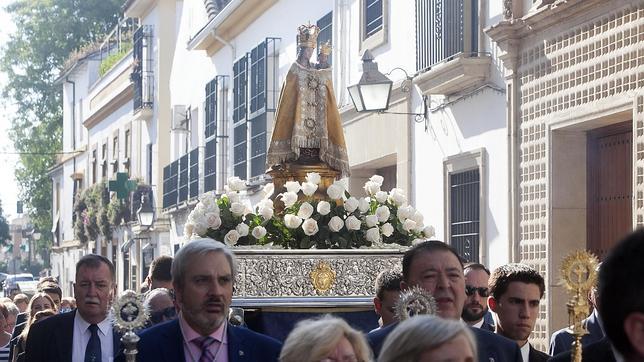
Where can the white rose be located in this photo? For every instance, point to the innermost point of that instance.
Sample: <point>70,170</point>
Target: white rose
<point>352,223</point>
<point>208,200</point>
<point>324,208</point>
<point>428,231</point>
<point>237,208</point>
<point>289,198</point>
<point>309,188</point>
<point>405,212</point>
<point>265,203</point>
<point>213,220</point>
<point>371,220</point>
<point>268,190</point>
<point>387,229</point>
<point>377,179</point>
<point>373,235</point>
<point>231,237</point>
<point>335,192</point>
<point>310,227</point>
<point>409,225</point>
<point>242,229</point>
<point>383,213</point>
<point>381,196</point>
<point>292,186</point>
<point>351,204</point>
<point>266,212</point>
<point>305,212</point>
<point>259,232</point>
<point>371,188</point>
<point>397,197</point>
<point>292,221</point>
<point>313,177</point>
<point>364,205</point>
<point>236,184</point>
<point>417,217</point>
<point>336,224</point>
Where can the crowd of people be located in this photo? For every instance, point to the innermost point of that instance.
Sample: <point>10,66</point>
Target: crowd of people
<point>482,315</point>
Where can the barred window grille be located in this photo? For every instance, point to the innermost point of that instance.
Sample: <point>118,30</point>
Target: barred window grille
<point>210,166</point>
<point>184,168</point>
<point>193,186</point>
<point>258,145</point>
<point>210,118</point>
<point>373,17</point>
<point>464,213</point>
<point>240,70</point>
<point>170,181</point>
<point>142,75</point>
<point>444,29</point>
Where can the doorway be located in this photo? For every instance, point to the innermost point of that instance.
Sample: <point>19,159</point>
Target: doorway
<point>609,186</point>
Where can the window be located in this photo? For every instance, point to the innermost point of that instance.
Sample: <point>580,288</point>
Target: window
<point>142,75</point>
<point>115,154</point>
<point>326,30</point>
<point>149,148</point>
<point>373,23</point>
<point>257,82</point>
<point>170,180</point>
<point>239,117</point>
<point>210,166</point>
<point>94,165</point>
<point>104,160</point>
<point>444,29</point>
<point>194,173</point>
<point>128,151</point>
<point>182,187</point>
<point>210,118</point>
<point>465,204</point>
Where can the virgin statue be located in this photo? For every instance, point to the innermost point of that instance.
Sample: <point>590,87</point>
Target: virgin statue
<point>307,128</point>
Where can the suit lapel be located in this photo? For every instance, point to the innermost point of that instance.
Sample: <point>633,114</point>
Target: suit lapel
<point>172,343</point>
<point>236,345</point>
<point>65,337</point>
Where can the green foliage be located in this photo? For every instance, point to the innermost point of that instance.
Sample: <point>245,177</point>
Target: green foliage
<point>4,228</point>
<point>114,58</point>
<point>97,213</point>
<point>47,31</point>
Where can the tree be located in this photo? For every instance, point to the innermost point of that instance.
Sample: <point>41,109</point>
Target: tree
<point>4,228</point>
<point>47,32</point>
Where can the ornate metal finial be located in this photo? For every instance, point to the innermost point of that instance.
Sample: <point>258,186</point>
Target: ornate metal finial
<point>307,35</point>
<point>130,314</point>
<point>507,9</point>
<point>579,276</point>
<point>415,301</point>
<point>322,277</point>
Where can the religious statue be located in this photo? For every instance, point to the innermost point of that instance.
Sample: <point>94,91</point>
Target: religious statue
<point>307,128</point>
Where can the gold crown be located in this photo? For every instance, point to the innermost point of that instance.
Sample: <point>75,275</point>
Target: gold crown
<point>325,48</point>
<point>307,35</point>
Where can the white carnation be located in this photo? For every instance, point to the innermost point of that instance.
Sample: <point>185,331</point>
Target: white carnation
<point>259,232</point>
<point>242,229</point>
<point>397,197</point>
<point>381,197</point>
<point>231,237</point>
<point>292,186</point>
<point>387,229</point>
<point>335,191</point>
<point>364,204</point>
<point>310,227</point>
<point>292,221</point>
<point>371,220</point>
<point>377,179</point>
<point>305,212</point>
<point>309,188</point>
<point>371,188</point>
<point>351,204</point>
<point>352,223</point>
<point>383,213</point>
<point>373,235</point>
<point>313,177</point>
<point>289,198</point>
<point>237,208</point>
<point>336,224</point>
<point>323,207</point>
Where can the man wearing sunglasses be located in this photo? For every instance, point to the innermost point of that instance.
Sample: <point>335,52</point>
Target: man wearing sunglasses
<point>475,310</point>
<point>515,294</point>
<point>160,305</point>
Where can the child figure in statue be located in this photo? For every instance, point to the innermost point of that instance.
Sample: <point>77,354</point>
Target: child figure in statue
<point>307,128</point>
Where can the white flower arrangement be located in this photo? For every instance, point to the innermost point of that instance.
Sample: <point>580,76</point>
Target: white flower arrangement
<point>341,221</point>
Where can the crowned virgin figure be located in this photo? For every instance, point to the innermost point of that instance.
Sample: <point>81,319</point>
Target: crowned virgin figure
<point>307,128</point>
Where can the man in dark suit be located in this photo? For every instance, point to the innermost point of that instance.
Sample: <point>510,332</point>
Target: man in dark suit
<point>476,289</point>
<point>515,294</point>
<point>437,268</point>
<point>84,334</point>
<point>203,273</point>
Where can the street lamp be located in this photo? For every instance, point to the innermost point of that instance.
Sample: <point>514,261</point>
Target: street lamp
<point>373,92</point>
<point>145,213</point>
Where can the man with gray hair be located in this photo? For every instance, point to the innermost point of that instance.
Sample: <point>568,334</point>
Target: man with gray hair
<point>203,274</point>
<point>159,303</point>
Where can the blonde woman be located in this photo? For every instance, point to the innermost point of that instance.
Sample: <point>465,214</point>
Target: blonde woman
<point>325,339</point>
<point>427,338</point>
<point>39,302</point>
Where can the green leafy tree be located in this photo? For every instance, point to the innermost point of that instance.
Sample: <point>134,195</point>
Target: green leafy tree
<point>4,228</point>
<point>47,32</point>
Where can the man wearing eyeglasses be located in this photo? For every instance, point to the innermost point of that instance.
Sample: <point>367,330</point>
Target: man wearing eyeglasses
<point>475,309</point>
<point>515,294</point>
<point>160,305</point>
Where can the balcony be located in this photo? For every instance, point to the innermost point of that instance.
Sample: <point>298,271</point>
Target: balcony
<point>459,73</point>
<point>142,73</point>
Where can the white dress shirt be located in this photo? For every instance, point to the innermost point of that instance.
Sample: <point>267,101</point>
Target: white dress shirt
<point>525,352</point>
<point>479,324</point>
<point>82,334</point>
